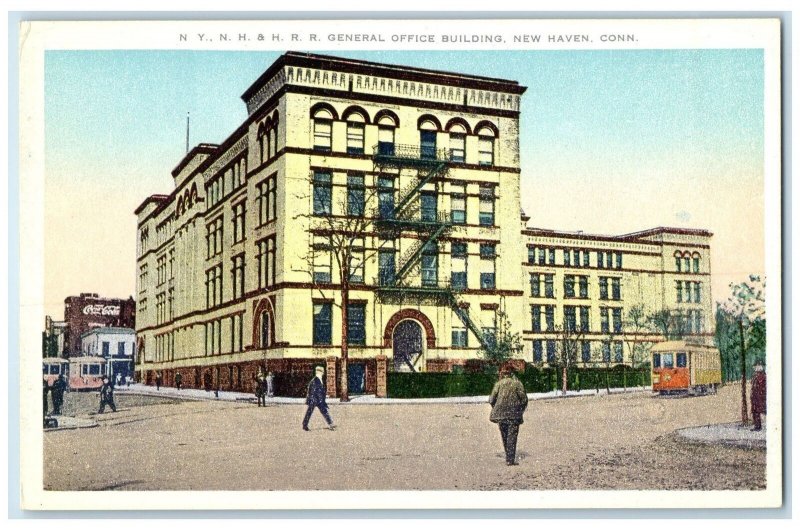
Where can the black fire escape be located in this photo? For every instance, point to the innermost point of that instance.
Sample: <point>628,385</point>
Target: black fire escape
<point>415,214</point>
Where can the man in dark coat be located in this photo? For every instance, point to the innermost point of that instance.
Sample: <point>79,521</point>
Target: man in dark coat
<point>178,381</point>
<point>509,401</point>
<point>315,398</point>
<point>45,390</point>
<point>59,387</point>
<point>261,393</point>
<point>106,396</point>
<point>158,380</point>
<point>758,394</point>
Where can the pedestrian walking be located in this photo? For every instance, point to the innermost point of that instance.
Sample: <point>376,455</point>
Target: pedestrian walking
<point>59,387</point>
<point>107,396</point>
<point>178,381</point>
<point>45,390</point>
<point>758,394</point>
<point>270,385</point>
<point>261,392</point>
<point>118,379</point>
<point>315,398</point>
<point>509,401</point>
<point>129,380</point>
<point>158,380</point>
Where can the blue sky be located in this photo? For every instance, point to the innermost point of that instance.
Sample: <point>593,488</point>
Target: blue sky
<point>611,142</point>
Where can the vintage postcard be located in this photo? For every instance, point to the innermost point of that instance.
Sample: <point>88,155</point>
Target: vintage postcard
<point>409,264</point>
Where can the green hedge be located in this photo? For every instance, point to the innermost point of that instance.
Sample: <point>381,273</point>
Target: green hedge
<point>535,380</point>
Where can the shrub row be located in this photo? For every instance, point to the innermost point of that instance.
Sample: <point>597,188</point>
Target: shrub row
<point>536,380</point>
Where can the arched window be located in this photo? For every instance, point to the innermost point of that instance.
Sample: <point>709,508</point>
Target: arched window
<point>386,127</point>
<point>428,127</point>
<point>266,330</point>
<point>274,136</point>
<point>323,124</point>
<point>458,142</point>
<point>486,139</point>
<point>696,262</point>
<point>355,133</point>
<point>678,261</point>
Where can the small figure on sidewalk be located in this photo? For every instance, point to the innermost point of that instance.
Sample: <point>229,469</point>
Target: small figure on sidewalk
<point>129,380</point>
<point>45,390</point>
<point>261,389</point>
<point>178,381</point>
<point>315,398</point>
<point>118,379</point>
<point>107,396</point>
<point>509,401</point>
<point>758,394</point>
<point>270,387</point>
<point>59,387</point>
<point>158,380</point>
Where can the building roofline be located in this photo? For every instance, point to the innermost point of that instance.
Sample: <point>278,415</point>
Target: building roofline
<point>201,148</point>
<point>153,198</point>
<point>410,73</point>
<point>111,329</point>
<point>630,237</point>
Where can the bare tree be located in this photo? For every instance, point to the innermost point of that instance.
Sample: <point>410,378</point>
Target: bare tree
<point>503,344</point>
<point>669,323</point>
<point>746,306</point>
<point>568,341</point>
<point>342,232</point>
<point>635,335</point>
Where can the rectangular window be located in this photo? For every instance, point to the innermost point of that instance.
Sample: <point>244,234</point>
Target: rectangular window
<point>106,347</point>
<point>698,322</point>
<point>617,318</point>
<point>386,141</point>
<point>487,265</point>
<point>485,150</point>
<point>584,312</point>
<point>551,351</point>
<point>322,193</point>
<point>586,351</point>
<point>585,258</point>
<point>570,319</point>
<point>238,222</point>
<point>357,261</point>
<point>569,286</point>
<point>536,318</point>
<point>549,292</point>
<point>537,351</point>
<point>696,264</point>
<point>458,265</point>
<point>430,265</point>
<point>427,144</point>
<point>427,205</point>
<point>237,276</point>
<point>606,351</point>
<point>488,250</point>
<point>680,360</point>
<point>601,259</point>
<point>567,257</point>
<point>356,330</point>
<point>486,206</point>
<point>604,321</point>
<point>536,286</point>
<point>355,138</point>
<point>697,292</point>
<point>677,264</point>
<point>355,195</point>
<point>576,258</point>
<point>385,197</point>
<point>458,204</point>
<point>619,260</point>
<point>457,147</point>
<point>322,260</point>
<point>687,291</point>
<point>551,256</point>
<point>386,267</point>
<point>617,351</point>
<point>616,291</point>
<point>609,260</point>
<point>541,255</point>
<point>458,337</point>
<point>322,322</point>
<point>322,135</point>
<point>531,255</point>
<point>667,361</point>
<point>603,288</point>
<point>686,264</point>
<point>679,291</point>
<point>550,317</point>
<point>583,286</point>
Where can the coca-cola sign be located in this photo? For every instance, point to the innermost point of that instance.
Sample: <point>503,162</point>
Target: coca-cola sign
<point>101,310</point>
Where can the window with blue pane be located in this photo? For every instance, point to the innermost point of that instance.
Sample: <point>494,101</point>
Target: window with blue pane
<point>586,351</point>
<point>617,351</point>
<point>322,323</point>
<point>386,197</point>
<point>536,318</point>
<point>531,255</point>
<point>536,285</point>
<point>550,317</point>
<point>427,144</point>
<point>458,337</point>
<point>322,193</point>
<point>606,352</point>
<point>386,267</point>
<point>356,331</point>
<point>616,289</point>
<point>551,351</point>
<point>428,206</point>
<point>355,195</point>
<point>537,351</point>
<point>458,265</point>
<point>680,360</point>
<point>616,315</point>
<point>430,266</point>
<point>487,280</point>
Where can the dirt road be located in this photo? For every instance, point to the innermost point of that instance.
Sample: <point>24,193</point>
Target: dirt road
<point>594,442</point>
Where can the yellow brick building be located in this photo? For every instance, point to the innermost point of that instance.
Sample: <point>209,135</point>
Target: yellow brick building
<point>237,266</point>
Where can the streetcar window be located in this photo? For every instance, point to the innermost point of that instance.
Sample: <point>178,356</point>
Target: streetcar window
<point>84,369</point>
<point>668,363</point>
<point>681,360</point>
<point>94,369</point>
<point>54,369</point>
<point>44,368</point>
<point>656,360</point>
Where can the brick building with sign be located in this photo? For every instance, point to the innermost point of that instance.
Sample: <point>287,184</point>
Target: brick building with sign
<point>87,311</point>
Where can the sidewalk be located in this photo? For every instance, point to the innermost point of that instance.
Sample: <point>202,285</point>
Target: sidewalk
<point>193,394</point>
<point>70,422</point>
<point>730,434</point>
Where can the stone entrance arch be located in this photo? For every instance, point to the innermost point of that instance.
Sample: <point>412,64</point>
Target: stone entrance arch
<point>409,333</point>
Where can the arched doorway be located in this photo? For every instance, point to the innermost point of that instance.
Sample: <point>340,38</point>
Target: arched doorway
<point>266,329</point>
<point>407,346</point>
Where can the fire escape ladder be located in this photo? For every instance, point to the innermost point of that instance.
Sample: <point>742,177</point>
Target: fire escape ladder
<point>412,192</point>
<point>413,254</point>
<point>465,317</point>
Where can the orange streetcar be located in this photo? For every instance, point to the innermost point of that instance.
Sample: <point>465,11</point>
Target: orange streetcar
<point>683,367</point>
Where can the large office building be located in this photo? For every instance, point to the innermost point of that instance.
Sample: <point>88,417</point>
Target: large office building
<point>413,176</point>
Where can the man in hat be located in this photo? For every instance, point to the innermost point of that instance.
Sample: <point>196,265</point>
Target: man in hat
<point>509,401</point>
<point>758,394</point>
<point>107,396</point>
<point>315,398</point>
<point>59,387</point>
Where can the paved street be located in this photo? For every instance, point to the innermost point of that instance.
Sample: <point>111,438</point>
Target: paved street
<point>597,441</point>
